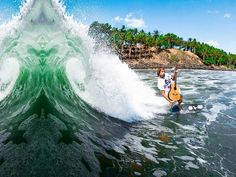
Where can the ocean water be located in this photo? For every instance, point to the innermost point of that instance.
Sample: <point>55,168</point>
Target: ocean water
<point>197,142</point>
<point>69,110</point>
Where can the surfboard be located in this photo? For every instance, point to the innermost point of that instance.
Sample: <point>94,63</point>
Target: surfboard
<point>195,107</point>
<point>189,108</point>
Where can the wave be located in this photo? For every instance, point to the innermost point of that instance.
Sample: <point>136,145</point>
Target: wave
<point>43,39</point>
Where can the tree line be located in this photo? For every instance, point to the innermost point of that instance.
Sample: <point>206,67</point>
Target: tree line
<point>117,37</point>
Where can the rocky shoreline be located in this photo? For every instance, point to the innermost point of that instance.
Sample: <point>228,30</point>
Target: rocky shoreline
<point>140,57</point>
<point>139,66</point>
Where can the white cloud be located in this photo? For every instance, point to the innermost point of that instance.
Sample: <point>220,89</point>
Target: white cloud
<point>118,19</point>
<point>227,15</point>
<point>131,21</point>
<point>134,22</point>
<point>213,43</point>
<point>212,11</point>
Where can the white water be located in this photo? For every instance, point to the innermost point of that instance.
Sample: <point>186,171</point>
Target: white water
<point>9,72</point>
<point>114,88</point>
<point>9,66</point>
<point>111,86</point>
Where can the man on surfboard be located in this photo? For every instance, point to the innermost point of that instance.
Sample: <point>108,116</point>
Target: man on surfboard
<point>164,84</point>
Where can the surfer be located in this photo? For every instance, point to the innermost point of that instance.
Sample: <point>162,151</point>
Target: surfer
<point>164,84</point>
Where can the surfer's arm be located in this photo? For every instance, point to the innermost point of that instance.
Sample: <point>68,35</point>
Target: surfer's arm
<point>165,96</point>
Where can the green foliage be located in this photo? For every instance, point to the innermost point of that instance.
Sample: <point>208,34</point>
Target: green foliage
<point>209,61</point>
<point>116,38</point>
<point>174,58</point>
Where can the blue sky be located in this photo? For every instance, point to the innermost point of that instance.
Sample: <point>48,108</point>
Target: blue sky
<point>210,21</point>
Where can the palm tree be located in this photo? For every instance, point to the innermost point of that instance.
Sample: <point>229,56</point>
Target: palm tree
<point>189,47</point>
<point>156,34</point>
<point>141,37</point>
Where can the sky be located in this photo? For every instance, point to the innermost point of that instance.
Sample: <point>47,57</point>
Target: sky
<point>209,21</point>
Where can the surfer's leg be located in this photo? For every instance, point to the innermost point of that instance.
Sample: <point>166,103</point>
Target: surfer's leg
<point>180,101</point>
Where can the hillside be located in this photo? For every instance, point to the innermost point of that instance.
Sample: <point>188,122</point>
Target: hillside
<point>140,57</point>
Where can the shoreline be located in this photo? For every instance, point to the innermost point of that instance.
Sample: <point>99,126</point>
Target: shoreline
<point>152,67</point>
<point>184,69</point>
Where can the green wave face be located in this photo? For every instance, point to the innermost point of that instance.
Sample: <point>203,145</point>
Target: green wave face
<point>40,46</point>
<point>43,123</point>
